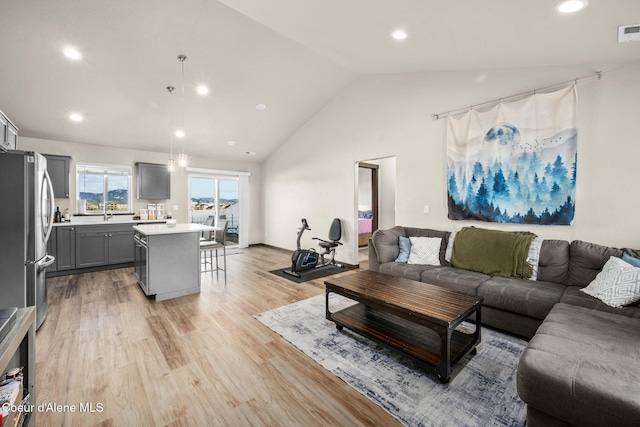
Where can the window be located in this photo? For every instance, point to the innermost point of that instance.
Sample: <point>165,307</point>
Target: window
<point>106,188</point>
<point>221,194</point>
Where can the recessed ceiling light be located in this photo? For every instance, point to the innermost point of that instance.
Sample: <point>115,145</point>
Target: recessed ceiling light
<point>571,6</point>
<point>231,143</point>
<point>179,133</point>
<point>202,90</point>
<point>260,107</point>
<point>250,153</point>
<point>72,53</point>
<point>76,117</point>
<point>399,35</point>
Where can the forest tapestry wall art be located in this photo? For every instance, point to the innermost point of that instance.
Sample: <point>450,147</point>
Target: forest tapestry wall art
<point>515,162</point>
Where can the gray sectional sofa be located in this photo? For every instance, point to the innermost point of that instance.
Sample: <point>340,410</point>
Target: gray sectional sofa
<point>582,364</point>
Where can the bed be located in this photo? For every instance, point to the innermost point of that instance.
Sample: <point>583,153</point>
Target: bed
<point>365,223</point>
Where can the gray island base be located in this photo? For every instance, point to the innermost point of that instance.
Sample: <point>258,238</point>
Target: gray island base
<point>167,259</point>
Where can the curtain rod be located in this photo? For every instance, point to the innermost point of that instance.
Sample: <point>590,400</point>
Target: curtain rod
<point>444,114</point>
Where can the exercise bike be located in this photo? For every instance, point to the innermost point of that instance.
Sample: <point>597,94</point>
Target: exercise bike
<point>309,259</point>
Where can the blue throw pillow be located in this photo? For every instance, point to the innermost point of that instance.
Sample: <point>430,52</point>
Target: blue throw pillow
<point>405,249</point>
<point>629,259</point>
<point>365,214</point>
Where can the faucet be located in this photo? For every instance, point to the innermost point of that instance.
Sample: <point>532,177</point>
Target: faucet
<point>107,216</point>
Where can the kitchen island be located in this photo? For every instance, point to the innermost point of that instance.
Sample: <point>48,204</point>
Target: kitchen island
<point>167,259</point>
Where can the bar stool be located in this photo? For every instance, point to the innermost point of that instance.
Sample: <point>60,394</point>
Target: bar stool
<point>216,241</point>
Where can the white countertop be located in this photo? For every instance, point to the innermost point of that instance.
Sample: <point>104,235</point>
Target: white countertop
<point>109,222</point>
<point>151,229</point>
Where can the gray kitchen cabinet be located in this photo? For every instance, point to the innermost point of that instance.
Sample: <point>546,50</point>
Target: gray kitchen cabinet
<point>52,249</point>
<point>154,181</point>
<point>58,168</point>
<point>4,125</point>
<point>104,245</point>
<point>91,246</point>
<point>121,246</point>
<point>8,133</point>
<point>65,248</point>
<point>95,246</point>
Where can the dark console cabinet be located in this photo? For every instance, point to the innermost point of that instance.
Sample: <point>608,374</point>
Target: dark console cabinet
<point>18,349</point>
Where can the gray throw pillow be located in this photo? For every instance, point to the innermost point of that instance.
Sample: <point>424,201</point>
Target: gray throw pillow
<point>385,243</point>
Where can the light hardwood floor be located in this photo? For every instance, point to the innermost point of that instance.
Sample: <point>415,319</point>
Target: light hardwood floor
<point>200,360</point>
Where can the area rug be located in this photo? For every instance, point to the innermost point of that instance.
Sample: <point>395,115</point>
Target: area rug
<point>312,274</point>
<point>482,390</point>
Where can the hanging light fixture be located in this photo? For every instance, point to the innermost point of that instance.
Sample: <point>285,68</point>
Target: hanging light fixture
<point>171,164</point>
<point>182,157</point>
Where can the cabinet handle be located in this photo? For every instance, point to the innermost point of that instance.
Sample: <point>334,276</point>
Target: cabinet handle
<point>72,229</point>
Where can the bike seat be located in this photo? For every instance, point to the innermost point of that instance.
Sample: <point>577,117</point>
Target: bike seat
<point>327,244</point>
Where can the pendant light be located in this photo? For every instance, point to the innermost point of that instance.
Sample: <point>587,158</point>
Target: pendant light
<point>182,157</point>
<point>171,164</point>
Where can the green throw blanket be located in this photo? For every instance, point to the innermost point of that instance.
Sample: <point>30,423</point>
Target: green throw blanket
<point>497,253</point>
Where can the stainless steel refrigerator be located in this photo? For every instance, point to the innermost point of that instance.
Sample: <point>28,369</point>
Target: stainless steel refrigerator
<point>26,216</point>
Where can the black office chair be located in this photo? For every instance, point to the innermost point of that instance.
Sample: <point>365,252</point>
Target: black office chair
<point>329,246</point>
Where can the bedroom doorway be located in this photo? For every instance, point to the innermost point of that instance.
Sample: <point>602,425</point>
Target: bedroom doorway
<point>367,201</point>
<point>375,200</point>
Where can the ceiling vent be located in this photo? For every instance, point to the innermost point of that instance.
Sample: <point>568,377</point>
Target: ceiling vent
<point>629,33</point>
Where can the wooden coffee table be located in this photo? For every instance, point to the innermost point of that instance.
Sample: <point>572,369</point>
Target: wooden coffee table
<point>416,318</point>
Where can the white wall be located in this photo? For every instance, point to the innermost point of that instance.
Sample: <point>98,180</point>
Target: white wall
<point>179,185</point>
<point>311,175</point>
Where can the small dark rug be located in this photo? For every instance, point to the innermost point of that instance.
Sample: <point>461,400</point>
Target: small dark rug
<point>312,274</point>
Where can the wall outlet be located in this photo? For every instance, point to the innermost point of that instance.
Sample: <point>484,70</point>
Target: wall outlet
<point>426,209</point>
<point>176,207</point>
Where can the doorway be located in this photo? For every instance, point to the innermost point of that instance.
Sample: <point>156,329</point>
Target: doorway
<point>215,198</point>
<point>375,200</point>
<point>367,201</point>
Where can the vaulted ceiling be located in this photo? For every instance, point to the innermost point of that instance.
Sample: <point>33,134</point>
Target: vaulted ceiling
<point>293,56</point>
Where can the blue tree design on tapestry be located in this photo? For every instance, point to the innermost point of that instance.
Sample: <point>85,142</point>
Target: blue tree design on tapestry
<point>515,176</point>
